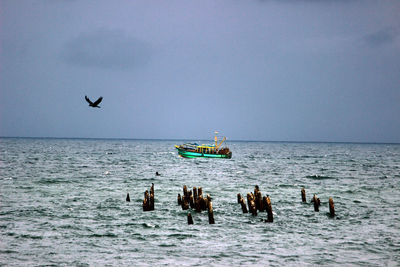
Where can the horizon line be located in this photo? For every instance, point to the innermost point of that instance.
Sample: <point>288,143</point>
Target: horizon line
<point>187,139</point>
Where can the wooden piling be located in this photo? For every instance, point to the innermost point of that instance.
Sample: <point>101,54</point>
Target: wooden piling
<point>303,195</point>
<point>331,207</point>
<point>199,191</point>
<point>185,192</point>
<point>203,203</point>
<point>151,202</point>
<point>185,204</point>
<point>197,204</point>
<point>128,199</point>
<point>190,219</point>
<point>244,207</point>
<point>251,203</point>
<point>317,202</point>
<point>210,210</point>
<point>256,190</point>
<point>191,202</point>
<point>179,200</point>
<point>195,193</point>
<point>238,198</point>
<point>259,201</point>
<point>146,201</point>
<point>270,216</point>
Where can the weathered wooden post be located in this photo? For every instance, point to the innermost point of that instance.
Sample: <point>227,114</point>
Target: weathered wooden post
<point>146,201</point>
<point>151,198</point>
<point>179,199</point>
<point>204,203</point>
<point>303,195</point>
<point>238,198</point>
<point>199,191</point>
<point>195,193</point>
<point>185,193</point>
<point>256,189</point>
<point>151,202</point>
<point>128,199</point>
<point>198,203</point>
<point>244,207</point>
<point>190,219</point>
<point>185,204</point>
<point>270,216</point>
<point>252,204</point>
<point>191,201</point>
<point>259,201</point>
<point>331,207</point>
<point>210,210</point>
<point>248,196</point>
<point>317,202</point>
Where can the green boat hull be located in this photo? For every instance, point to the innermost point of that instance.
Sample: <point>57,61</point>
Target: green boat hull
<point>190,154</point>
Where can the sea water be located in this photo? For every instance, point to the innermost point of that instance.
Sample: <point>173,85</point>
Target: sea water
<point>62,203</point>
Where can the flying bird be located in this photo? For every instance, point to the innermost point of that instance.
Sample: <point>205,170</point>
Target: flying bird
<point>96,103</point>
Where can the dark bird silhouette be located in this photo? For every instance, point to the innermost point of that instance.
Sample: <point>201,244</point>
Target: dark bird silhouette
<point>96,103</point>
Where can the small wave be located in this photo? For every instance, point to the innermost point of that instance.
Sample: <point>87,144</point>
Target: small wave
<point>319,177</point>
<point>8,251</point>
<point>149,225</point>
<point>180,236</point>
<point>103,235</point>
<point>52,181</point>
<point>30,236</point>
<point>163,245</point>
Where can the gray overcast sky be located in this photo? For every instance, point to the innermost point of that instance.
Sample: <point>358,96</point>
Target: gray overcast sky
<point>305,70</point>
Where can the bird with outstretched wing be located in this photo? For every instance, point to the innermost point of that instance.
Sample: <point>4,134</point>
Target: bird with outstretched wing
<point>94,104</point>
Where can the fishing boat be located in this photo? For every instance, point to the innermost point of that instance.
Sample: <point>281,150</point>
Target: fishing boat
<point>194,150</point>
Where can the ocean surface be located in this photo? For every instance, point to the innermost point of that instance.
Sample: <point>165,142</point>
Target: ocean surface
<point>62,203</point>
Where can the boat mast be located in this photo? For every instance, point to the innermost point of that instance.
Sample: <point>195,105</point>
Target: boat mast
<point>216,141</point>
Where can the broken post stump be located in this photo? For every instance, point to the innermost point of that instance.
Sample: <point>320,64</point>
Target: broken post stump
<point>259,201</point>
<point>244,207</point>
<point>179,199</point>
<point>185,204</point>
<point>270,216</point>
<point>128,199</point>
<point>146,201</point>
<point>151,202</point>
<point>331,207</point>
<point>210,210</point>
<point>195,193</point>
<point>191,202</point>
<point>198,203</point>
<point>303,195</point>
<point>317,202</point>
<point>199,191</point>
<point>190,219</point>
<point>251,203</point>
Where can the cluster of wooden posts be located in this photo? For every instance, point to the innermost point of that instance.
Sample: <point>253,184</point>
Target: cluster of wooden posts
<point>256,202</point>
<point>316,201</point>
<point>196,201</point>
<point>148,201</point>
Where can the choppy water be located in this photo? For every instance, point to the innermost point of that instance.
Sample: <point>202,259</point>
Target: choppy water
<point>62,202</point>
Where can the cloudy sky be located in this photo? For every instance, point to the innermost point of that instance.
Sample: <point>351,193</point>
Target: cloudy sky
<point>288,70</point>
